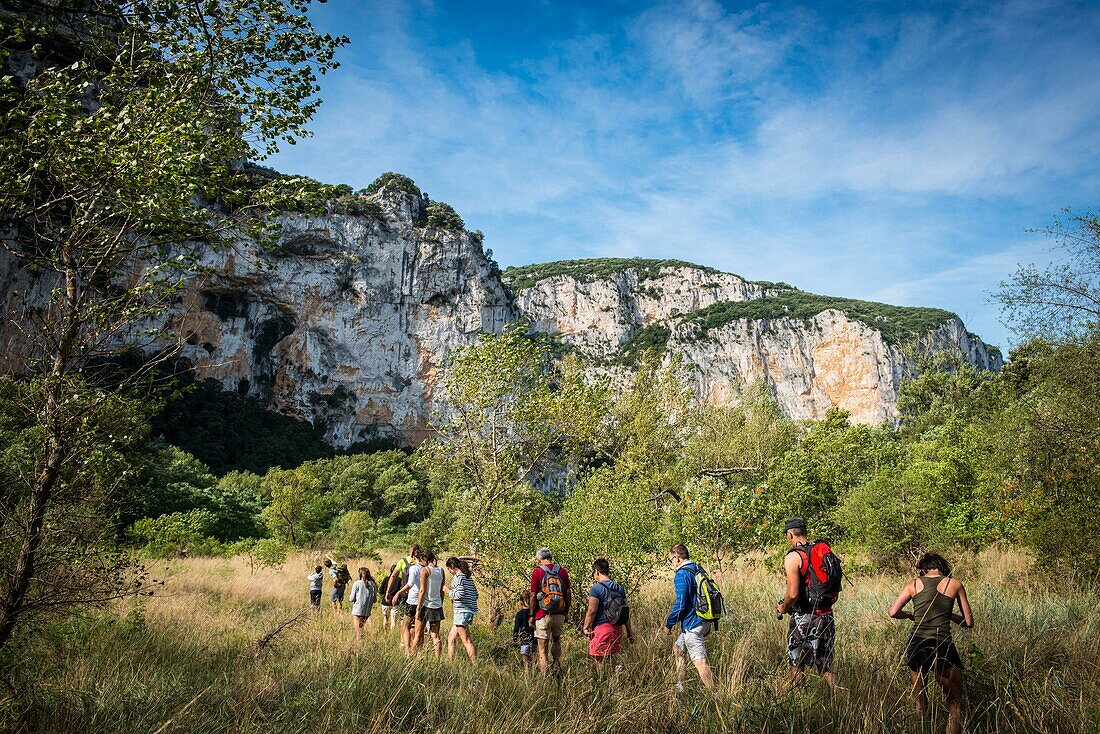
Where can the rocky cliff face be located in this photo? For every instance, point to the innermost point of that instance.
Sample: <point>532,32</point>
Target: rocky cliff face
<point>599,316</point>
<point>351,325</point>
<point>351,321</point>
<point>811,355</point>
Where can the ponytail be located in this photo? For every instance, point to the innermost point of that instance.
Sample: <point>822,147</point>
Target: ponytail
<point>454,562</point>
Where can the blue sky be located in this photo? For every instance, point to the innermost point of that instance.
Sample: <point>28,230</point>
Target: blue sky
<point>889,151</point>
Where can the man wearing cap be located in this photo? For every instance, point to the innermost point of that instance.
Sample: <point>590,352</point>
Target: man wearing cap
<point>551,596</point>
<point>812,631</point>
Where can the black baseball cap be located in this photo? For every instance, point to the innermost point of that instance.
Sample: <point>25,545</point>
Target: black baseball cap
<point>795,523</point>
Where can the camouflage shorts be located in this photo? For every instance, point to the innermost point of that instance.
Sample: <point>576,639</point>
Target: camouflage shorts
<point>810,640</point>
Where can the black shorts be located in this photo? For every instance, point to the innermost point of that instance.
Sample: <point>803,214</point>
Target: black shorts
<point>429,615</point>
<point>315,597</point>
<point>406,609</point>
<point>924,654</point>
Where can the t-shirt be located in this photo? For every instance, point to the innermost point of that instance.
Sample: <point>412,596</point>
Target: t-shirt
<point>315,580</point>
<point>536,586</point>
<point>602,591</point>
<point>464,593</point>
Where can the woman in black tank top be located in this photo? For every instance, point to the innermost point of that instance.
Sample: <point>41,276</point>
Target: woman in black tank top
<point>930,647</point>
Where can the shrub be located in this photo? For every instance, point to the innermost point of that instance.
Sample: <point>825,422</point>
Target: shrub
<point>440,215</point>
<point>393,180</point>
<point>177,533</point>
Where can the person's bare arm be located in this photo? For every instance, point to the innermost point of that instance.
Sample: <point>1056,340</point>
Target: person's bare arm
<point>966,619</point>
<point>533,606</point>
<point>590,614</point>
<point>791,566</point>
<point>897,610</point>
<point>629,630</point>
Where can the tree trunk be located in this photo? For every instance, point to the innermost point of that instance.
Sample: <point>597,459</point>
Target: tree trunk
<point>20,579</point>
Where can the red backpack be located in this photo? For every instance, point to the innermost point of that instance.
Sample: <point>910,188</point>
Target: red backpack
<point>821,573</point>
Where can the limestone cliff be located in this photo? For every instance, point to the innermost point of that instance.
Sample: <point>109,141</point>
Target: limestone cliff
<point>814,352</point>
<point>350,320</point>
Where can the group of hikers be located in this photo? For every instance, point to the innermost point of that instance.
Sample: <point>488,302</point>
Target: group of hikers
<point>412,595</point>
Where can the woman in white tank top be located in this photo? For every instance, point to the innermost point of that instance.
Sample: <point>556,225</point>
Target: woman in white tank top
<point>429,603</point>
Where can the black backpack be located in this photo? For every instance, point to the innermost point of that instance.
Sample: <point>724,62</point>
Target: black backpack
<point>615,608</point>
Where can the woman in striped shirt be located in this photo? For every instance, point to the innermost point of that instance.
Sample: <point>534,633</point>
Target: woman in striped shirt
<point>463,593</point>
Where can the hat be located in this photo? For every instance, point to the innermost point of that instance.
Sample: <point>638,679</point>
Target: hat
<point>795,523</point>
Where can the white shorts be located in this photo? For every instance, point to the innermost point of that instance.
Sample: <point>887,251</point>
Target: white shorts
<point>693,642</point>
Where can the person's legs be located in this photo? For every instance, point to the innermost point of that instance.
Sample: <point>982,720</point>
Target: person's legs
<point>451,637</point>
<point>416,636</point>
<point>359,623</point>
<point>467,642</point>
<point>679,657</point>
<point>920,693</point>
<point>437,642</point>
<point>705,673</point>
<point>544,661</point>
<point>695,645</point>
<point>950,679</point>
<point>557,627</point>
<point>542,640</point>
<point>822,643</point>
<point>405,621</point>
<point>796,646</point>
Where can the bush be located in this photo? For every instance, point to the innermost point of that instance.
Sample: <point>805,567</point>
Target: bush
<point>393,180</point>
<point>441,215</point>
<point>176,534</point>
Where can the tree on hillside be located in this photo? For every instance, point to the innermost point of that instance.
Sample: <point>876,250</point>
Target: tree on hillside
<point>120,122</point>
<point>515,418</point>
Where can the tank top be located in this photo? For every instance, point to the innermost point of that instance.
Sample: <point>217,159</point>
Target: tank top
<point>414,584</point>
<point>433,592</point>
<point>932,611</point>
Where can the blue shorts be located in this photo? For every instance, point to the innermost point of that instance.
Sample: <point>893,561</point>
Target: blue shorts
<point>463,619</point>
<point>338,593</point>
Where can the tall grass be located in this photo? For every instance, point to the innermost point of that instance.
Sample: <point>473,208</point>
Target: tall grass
<point>188,661</point>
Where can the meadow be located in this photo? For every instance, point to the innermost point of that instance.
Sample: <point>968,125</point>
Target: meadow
<point>189,660</point>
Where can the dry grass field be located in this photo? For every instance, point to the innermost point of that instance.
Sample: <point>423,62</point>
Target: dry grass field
<point>187,660</point>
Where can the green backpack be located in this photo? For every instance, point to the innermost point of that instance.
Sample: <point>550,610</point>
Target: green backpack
<point>709,604</point>
<point>343,575</point>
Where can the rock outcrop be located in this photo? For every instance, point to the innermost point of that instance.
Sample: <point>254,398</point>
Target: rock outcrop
<point>351,320</point>
<point>813,352</point>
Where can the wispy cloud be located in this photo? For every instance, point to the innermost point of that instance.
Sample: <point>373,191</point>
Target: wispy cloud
<point>887,153</point>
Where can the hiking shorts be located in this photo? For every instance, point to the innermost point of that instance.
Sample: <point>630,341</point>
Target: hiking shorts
<point>407,610</point>
<point>463,619</point>
<point>552,625</point>
<point>315,597</point>
<point>607,639</point>
<point>693,642</point>
<point>923,654</point>
<point>430,615</point>
<point>338,593</point>
<point>810,640</point>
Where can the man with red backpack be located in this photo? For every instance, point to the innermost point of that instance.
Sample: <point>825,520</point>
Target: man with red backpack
<point>551,596</point>
<point>813,584</point>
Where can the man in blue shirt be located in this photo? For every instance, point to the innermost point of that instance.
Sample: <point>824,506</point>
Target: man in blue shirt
<point>693,631</point>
